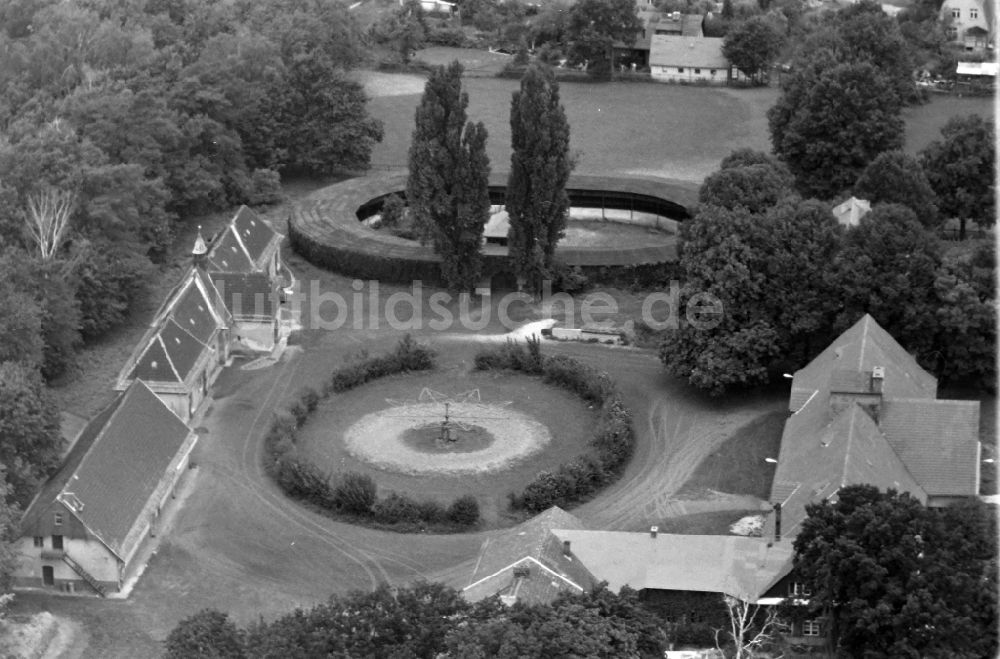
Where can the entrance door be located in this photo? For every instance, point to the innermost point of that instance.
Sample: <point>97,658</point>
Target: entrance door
<point>48,575</point>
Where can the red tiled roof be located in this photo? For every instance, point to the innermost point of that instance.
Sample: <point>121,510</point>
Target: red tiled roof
<point>825,447</point>
<point>937,440</point>
<point>530,546</point>
<point>858,349</point>
<point>736,565</point>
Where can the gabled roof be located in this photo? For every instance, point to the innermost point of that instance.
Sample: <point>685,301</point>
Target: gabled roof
<point>250,294</point>
<point>132,445</point>
<point>530,547</point>
<point>825,447</point>
<point>181,332</point>
<point>937,440</point>
<point>227,253</point>
<point>851,211</point>
<point>744,567</point>
<point>244,244</point>
<point>681,51</point>
<point>859,349</point>
<point>54,485</point>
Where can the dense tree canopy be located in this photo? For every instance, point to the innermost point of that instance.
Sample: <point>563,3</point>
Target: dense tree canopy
<point>10,517</point>
<point>770,272</point>
<point>208,633</point>
<point>431,620</point>
<point>753,45</point>
<point>831,121</point>
<point>754,187</point>
<point>960,168</point>
<point>895,177</point>
<point>448,188</point>
<point>898,579</point>
<point>540,165</point>
<point>148,112</point>
<point>595,25</point>
<point>29,430</point>
<point>887,268</point>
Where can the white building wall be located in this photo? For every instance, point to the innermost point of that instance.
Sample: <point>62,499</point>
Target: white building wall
<point>91,554</point>
<point>671,73</point>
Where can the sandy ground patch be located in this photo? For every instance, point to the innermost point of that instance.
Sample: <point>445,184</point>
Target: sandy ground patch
<point>377,438</point>
<point>378,85</point>
<point>749,525</point>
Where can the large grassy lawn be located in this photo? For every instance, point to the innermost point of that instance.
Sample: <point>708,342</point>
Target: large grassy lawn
<point>663,130</point>
<point>924,122</point>
<point>643,129</point>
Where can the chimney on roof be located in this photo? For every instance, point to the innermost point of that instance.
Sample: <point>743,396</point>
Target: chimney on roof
<point>777,522</point>
<point>878,379</point>
<point>200,250</point>
<point>566,551</point>
<point>653,530</point>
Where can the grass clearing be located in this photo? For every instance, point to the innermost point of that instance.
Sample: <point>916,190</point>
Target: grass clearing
<point>738,466</point>
<point>716,522</point>
<point>924,122</point>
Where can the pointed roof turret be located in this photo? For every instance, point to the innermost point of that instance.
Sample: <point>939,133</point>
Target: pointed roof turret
<point>200,247</point>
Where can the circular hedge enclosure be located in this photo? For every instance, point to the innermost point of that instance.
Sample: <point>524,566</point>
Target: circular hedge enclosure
<point>325,228</point>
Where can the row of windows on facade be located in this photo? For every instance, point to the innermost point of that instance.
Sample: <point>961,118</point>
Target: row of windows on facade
<point>680,69</point>
<point>957,13</point>
<point>57,541</point>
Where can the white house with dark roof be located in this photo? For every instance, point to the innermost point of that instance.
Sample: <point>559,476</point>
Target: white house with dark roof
<point>970,23</point>
<point>185,347</point>
<point>676,58</point>
<point>86,526</point>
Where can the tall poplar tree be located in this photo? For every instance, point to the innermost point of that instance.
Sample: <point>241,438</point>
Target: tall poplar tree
<point>540,165</point>
<point>448,188</point>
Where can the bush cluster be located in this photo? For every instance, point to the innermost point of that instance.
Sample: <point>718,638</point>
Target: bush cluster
<point>353,494</point>
<point>452,37</point>
<point>611,444</point>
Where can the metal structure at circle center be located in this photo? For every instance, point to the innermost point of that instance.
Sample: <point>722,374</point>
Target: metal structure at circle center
<point>461,410</point>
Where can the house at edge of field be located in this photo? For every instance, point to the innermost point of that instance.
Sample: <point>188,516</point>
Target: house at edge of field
<point>863,412</point>
<point>85,528</point>
<point>970,23</point>
<point>675,58</point>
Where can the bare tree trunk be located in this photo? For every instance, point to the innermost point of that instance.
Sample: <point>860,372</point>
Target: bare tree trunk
<point>49,211</point>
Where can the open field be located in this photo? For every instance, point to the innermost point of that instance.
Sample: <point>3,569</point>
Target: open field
<point>924,122</point>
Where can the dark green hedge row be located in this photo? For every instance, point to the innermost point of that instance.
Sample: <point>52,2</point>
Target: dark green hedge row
<point>611,444</point>
<point>354,261</point>
<point>351,494</point>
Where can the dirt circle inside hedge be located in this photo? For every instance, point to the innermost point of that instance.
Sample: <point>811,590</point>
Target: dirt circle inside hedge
<point>568,421</point>
<point>505,436</point>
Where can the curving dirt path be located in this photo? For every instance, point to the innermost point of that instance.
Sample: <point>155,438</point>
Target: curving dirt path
<point>240,546</point>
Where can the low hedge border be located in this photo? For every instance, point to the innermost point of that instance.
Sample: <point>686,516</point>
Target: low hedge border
<point>352,496</point>
<point>611,445</point>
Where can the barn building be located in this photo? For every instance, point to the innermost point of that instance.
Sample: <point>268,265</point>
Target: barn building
<point>85,528</point>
